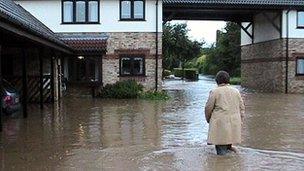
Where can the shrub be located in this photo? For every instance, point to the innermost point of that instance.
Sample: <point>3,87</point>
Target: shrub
<point>166,73</point>
<point>155,95</point>
<point>235,80</point>
<point>191,74</point>
<point>122,90</point>
<point>178,72</point>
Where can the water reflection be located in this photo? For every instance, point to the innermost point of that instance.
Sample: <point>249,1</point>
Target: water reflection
<point>88,134</point>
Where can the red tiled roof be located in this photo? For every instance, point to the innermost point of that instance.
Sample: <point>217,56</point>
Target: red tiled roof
<point>85,43</point>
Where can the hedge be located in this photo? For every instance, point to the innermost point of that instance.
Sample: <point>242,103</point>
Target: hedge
<point>190,73</point>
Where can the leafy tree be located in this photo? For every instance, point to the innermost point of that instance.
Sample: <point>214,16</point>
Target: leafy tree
<point>177,47</point>
<point>226,54</point>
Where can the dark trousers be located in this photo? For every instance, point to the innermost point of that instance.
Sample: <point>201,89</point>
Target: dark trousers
<point>223,149</point>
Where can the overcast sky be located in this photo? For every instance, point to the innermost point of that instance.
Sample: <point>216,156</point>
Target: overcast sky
<point>203,30</point>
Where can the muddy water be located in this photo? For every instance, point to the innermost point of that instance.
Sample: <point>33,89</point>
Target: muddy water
<point>86,134</point>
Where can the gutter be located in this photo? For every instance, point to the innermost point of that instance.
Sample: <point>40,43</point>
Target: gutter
<point>156,47</point>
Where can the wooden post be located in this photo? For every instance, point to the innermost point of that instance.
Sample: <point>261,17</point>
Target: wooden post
<point>24,83</point>
<point>0,94</point>
<point>100,70</point>
<point>52,78</point>
<point>59,75</point>
<point>41,55</point>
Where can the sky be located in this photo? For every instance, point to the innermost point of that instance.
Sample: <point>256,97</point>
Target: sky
<point>203,30</point>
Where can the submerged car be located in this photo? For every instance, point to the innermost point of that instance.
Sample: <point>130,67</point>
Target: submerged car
<point>10,98</point>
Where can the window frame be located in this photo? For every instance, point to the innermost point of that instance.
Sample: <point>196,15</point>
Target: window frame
<point>132,11</point>
<point>299,26</point>
<point>299,58</point>
<point>132,65</point>
<point>86,12</point>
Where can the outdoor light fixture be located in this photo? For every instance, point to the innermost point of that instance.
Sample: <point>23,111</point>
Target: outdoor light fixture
<point>80,57</point>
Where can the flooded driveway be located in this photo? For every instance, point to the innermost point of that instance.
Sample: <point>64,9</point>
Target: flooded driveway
<point>86,134</point>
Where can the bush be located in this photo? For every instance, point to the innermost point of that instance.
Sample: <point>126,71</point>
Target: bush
<point>190,73</point>
<point>235,80</point>
<point>178,72</point>
<point>155,95</point>
<point>166,73</point>
<point>122,90</point>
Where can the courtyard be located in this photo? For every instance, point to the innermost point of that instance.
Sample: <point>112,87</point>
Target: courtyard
<point>103,134</point>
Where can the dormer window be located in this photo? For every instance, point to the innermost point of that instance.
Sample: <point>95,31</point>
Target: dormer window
<point>132,10</point>
<point>300,19</point>
<point>80,11</point>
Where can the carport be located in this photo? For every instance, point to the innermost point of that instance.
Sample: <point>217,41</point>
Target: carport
<point>30,56</point>
<point>263,23</point>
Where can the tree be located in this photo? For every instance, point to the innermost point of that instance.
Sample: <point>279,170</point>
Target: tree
<point>177,47</point>
<point>226,54</point>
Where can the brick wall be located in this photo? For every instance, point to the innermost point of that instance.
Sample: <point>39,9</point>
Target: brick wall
<point>263,66</point>
<point>137,44</point>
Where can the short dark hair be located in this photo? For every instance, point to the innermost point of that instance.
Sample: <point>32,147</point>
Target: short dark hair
<point>222,77</point>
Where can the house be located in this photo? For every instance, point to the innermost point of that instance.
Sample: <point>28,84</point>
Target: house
<point>113,40</point>
<point>273,51</point>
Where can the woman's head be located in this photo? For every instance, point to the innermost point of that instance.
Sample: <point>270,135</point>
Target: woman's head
<point>222,77</point>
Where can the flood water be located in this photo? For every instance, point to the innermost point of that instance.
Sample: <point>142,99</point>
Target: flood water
<point>96,134</point>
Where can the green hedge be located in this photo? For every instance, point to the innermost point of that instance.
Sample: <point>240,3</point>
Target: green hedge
<point>178,72</point>
<point>166,73</point>
<point>122,90</point>
<point>190,73</point>
<point>235,80</point>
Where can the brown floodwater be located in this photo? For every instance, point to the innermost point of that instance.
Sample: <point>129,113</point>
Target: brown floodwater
<point>96,134</point>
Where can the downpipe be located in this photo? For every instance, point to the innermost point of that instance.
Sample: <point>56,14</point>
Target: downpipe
<point>156,46</point>
<point>287,52</point>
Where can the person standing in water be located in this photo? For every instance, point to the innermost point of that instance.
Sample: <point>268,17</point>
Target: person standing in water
<point>224,112</point>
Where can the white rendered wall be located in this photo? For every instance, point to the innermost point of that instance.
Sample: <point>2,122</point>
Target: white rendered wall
<point>49,12</point>
<point>294,32</point>
<point>263,30</point>
<point>245,39</point>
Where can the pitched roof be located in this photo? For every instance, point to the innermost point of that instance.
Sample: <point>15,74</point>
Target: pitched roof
<point>239,3</point>
<point>85,42</point>
<point>13,13</point>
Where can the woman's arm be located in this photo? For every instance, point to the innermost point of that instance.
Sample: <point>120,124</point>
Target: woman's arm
<point>209,106</point>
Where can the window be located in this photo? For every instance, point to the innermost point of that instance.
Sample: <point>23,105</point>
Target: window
<point>132,66</point>
<point>80,11</point>
<point>300,19</point>
<point>68,11</point>
<point>132,9</point>
<point>300,66</point>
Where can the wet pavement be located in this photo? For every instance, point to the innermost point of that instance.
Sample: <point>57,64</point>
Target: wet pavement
<point>86,134</point>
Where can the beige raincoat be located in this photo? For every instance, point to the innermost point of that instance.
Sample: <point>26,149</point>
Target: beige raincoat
<point>224,110</point>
